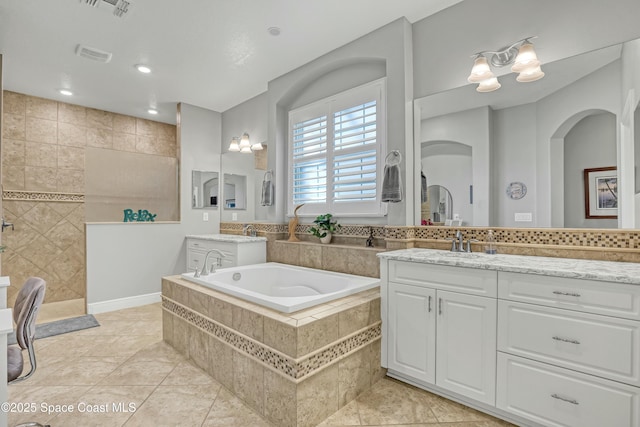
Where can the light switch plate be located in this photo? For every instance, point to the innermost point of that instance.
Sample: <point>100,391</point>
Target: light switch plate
<point>205,216</point>
<point>234,216</point>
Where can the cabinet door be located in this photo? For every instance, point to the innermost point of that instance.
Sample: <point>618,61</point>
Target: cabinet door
<point>466,345</point>
<point>412,330</point>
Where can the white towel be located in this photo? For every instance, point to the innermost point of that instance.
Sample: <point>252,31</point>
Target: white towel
<point>267,190</point>
<point>392,184</point>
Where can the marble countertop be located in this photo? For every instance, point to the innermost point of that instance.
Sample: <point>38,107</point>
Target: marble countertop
<point>232,238</point>
<point>609,271</point>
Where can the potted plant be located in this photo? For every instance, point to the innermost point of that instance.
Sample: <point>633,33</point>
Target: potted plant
<point>324,228</point>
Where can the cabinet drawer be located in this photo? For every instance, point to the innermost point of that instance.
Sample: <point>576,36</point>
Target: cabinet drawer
<point>458,279</point>
<point>562,398</point>
<point>195,258</point>
<point>599,345</point>
<point>205,245</point>
<point>608,298</point>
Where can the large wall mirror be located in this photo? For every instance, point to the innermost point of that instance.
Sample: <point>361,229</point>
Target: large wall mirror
<point>205,189</point>
<point>540,137</point>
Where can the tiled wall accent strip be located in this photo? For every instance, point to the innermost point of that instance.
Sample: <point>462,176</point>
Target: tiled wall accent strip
<point>295,369</point>
<point>595,238</point>
<point>42,196</point>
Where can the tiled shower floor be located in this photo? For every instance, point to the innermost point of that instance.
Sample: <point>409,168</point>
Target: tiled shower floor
<point>125,361</point>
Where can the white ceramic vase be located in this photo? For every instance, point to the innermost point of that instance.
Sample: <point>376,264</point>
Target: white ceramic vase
<point>326,239</point>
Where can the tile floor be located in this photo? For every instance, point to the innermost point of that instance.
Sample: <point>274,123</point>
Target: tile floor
<point>52,311</point>
<point>125,361</point>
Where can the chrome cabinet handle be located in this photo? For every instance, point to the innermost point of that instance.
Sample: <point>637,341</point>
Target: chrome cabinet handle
<point>566,340</point>
<point>564,399</point>
<point>440,306</point>
<point>569,294</point>
<point>429,303</point>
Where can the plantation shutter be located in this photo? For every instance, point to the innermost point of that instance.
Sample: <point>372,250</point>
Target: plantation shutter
<point>355,154</point>
<point>310,161</point>
<point>335,154</point>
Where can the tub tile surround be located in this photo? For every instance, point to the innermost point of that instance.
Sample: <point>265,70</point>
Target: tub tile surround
<point>295,369</point>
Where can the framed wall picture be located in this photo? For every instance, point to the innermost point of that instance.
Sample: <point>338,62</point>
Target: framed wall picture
<point>601,193</point>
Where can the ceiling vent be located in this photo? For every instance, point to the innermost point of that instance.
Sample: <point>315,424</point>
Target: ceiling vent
<point>118,8</point>
<point>93,53</point>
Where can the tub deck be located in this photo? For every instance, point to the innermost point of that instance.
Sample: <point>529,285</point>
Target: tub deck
<point>295,369</point>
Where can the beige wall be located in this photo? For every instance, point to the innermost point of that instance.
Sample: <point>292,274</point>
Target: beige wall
<point>43,178</point>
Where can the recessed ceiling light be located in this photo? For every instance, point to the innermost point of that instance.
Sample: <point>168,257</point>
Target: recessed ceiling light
<point>143,69</point>
<point>152,111</point>
<point>274,31</point>
<point>65,92</point>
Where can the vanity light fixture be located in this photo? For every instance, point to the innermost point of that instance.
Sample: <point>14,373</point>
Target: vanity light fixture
<point>244,144</point>
<point>521,54</point>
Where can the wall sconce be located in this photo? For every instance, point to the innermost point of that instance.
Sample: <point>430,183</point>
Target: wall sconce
<point>521,54</point>
<point>244,145</point>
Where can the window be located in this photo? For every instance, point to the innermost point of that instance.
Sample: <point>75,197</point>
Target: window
<point>335,153</point>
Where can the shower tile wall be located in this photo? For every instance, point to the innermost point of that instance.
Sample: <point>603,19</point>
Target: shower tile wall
<point>43,180</point>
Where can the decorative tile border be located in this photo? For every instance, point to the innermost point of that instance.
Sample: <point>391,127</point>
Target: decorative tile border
<point>598,238</point>
<point>295,369</point>
<point>552,237</point>
<point>36,196</point>
<point>262,227</point>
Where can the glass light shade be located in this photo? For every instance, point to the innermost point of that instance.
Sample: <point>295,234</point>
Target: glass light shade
<point>245,142</point>
<point>530,75</point>
<point>234,145</point>
<point>480,71</point>
<point>257,147</point>
<point>526,58</point>
<point>245,150</point>
<point>489,85</point>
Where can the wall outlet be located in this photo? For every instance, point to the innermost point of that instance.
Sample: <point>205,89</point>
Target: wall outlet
<point>205,216</point>
<point>523,217</point>
<point>234,216</point>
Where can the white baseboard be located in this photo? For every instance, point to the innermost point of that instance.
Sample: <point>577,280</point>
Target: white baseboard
<point>120,303</point>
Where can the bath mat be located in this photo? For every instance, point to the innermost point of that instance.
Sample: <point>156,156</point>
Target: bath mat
<point>59,327</point>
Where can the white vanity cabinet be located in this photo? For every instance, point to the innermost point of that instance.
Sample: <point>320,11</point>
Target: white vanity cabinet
<point>540,342</point>
<point>440,330</point>
<point>569,350</point>
<point>238,250</point>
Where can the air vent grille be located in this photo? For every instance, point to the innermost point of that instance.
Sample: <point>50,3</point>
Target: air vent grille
<point>93,53</point>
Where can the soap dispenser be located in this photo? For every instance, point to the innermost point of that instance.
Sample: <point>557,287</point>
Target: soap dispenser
<point>490,244</point>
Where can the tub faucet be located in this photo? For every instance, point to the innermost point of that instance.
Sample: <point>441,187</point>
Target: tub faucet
<point>369,243</point>
<point>213,265</point>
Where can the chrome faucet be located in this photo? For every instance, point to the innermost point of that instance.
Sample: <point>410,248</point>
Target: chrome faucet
<point>249,230</point>
<point>457,243</point>
<point>460,240</point>
<point>212,269</point>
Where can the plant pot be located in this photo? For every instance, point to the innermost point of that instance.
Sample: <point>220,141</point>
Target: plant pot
<point>326,239</point>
